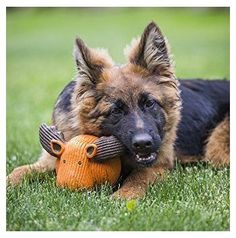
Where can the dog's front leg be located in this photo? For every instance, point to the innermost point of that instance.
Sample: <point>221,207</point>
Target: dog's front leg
<point>45,163</point>
<point>137,182</point>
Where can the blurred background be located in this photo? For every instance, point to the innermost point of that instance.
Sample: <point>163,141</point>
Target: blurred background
<point>40,63</point>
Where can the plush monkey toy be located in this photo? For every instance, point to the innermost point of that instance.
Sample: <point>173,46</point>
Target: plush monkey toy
<point>85,160</point>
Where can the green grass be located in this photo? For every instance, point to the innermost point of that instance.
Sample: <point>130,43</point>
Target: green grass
<point>189,199</point>
<point>40,63</point>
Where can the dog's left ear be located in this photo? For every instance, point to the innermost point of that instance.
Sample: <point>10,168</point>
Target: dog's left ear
<point>151,52</point>
<point>90,62</point>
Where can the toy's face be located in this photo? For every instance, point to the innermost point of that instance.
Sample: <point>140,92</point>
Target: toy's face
<point>73,153</point>
<point>74,163</point>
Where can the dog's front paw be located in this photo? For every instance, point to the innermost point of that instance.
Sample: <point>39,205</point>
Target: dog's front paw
<point>17,175</point>
<point>129,193</point>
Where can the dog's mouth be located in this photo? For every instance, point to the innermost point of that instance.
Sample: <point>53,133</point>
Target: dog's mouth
<point>145,159</point>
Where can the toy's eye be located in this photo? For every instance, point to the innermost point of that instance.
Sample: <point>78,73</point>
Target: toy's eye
<point>64,161</point>
<point>79,162</point>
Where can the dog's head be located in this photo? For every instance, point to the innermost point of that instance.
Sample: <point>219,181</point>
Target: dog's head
<point>137,102</point>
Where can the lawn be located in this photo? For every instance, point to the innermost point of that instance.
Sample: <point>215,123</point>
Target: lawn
<point>40,63</point>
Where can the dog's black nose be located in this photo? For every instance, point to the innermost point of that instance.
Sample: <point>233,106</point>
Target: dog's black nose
<point>142,142</point>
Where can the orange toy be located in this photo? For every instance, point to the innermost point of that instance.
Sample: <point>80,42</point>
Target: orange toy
<point>77,167</point>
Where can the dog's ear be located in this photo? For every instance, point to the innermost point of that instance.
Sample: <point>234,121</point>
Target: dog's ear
<point>151,52</point>
<point>90,62</point>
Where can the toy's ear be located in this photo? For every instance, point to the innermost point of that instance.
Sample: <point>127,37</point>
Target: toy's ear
<point>57,147</point>
<point>91,150</point>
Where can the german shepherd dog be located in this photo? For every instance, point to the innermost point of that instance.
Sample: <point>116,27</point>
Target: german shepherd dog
<point>158,118</point>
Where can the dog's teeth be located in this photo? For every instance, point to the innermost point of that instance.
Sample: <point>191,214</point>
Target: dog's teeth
<point>139,158</point>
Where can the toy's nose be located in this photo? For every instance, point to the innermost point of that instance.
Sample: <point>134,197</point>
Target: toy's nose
<point>91,150</point>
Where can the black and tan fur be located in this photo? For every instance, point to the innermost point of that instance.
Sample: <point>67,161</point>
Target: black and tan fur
<point>186,120</point>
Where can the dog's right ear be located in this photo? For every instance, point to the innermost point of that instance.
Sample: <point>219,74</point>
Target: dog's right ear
<point>90,62</point>
<point>151,52</point>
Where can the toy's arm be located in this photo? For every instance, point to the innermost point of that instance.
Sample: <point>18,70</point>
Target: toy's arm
<point>108,148</point>
<point>47,134</point>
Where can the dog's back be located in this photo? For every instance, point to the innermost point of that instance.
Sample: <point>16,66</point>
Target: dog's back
<point>205,105</point>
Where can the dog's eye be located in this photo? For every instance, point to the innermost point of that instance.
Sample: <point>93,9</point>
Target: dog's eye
<point>149,103</point>
<point>116,111</point>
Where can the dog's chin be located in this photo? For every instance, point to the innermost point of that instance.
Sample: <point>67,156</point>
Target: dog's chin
<point>146,159</point>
